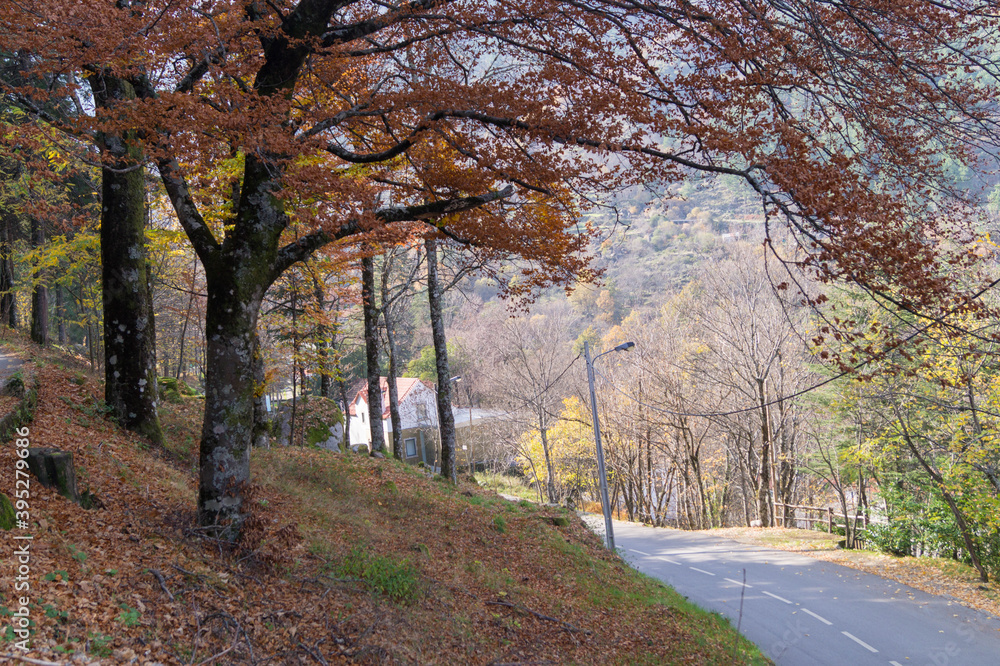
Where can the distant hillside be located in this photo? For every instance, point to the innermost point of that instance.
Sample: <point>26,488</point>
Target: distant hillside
<point>653,239</point>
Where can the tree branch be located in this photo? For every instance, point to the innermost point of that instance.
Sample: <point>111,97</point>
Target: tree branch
<point>440,208</point>
<point>202,238</point>
<point>303,248</point>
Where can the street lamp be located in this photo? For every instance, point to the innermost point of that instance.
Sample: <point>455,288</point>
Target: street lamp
<point>603,477</point>
<point>468,435</point>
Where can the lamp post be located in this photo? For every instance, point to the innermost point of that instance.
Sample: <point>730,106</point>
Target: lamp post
<point>603,477</point>
<point>468,434</point>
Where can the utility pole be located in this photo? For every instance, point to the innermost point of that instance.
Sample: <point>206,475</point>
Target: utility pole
<point>603,477</point>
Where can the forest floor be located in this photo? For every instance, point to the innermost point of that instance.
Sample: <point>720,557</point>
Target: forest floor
<point>345,559</point>
<point>933,575</point>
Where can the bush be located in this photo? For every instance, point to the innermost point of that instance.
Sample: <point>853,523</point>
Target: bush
<point>895,537</point>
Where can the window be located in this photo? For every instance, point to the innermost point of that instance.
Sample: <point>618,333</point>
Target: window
<point>422,412</point>
<point>411,446</point>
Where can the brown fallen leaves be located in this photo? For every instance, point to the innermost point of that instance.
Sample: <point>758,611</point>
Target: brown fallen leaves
<point>352,560</point>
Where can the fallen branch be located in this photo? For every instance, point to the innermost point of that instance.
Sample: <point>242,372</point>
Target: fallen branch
<point>565,625</point>
<point>29,660</point>
<point>216,656</point>
<point>162,582</point>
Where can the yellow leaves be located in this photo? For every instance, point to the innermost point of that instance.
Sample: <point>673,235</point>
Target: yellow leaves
<point>570,441</point>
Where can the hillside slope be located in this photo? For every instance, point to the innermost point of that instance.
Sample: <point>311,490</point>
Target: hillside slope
<point>347,559</point>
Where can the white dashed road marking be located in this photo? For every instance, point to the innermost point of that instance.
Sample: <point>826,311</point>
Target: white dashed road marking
<point>703,571</point>
<point>821,619</point>
<point>776,597</point>
<point>667,559</point>
<point>634,550</point>
<point>895,663</point>
<point>859,641</point>
<point>737,582</point>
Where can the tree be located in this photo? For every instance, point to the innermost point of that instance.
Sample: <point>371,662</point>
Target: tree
<point>525,362</point>
<point>130,378</point>
<point>373,369</point>
<point>39,292</point>
<point>395,292</point>
<point>446,418</point>
<point>334,107</point>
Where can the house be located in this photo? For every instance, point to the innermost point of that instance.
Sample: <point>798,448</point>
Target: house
<point>417,411</point>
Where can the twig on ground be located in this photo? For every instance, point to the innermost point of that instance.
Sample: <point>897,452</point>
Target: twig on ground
<point>217,656</point>
<point>29,660</point>
<point>162,582</point>
<point>565,625</point>
<point>314,652</point>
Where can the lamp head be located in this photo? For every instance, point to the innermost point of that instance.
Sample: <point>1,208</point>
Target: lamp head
<point>623,346</point>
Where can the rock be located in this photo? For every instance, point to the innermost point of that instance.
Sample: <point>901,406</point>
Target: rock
<point>336,438</point>
<point>378,454</point>
<point>7,517</point>
<point>14,387</point>
<point>54,468</point>
<point>756,523</point>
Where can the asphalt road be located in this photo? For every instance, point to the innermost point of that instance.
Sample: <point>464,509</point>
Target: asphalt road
<point>800,610</point>
<point>8,364</point>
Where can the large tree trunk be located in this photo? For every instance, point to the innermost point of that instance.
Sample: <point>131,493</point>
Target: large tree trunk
<point>446,419</point>
<point>39,293</point>
<point>129,330</point>
<point>229,397</point>
<point>371,354</point>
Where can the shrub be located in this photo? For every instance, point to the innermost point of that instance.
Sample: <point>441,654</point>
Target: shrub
<point>500,523</point>
<point>895,537</point>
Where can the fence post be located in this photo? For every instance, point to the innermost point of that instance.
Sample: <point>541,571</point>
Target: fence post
<point>829,519</point>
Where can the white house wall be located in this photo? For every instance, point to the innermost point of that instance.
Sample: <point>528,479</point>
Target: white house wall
<point>409,414</point>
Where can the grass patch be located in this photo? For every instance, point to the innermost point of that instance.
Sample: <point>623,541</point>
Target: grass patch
<point>506,485</point>
<point>397,580</point>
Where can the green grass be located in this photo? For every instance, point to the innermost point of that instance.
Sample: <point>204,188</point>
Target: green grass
<point>398,580</point>
<point>506,485</point>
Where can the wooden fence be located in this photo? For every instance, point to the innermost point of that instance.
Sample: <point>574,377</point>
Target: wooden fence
<point>823,514</point>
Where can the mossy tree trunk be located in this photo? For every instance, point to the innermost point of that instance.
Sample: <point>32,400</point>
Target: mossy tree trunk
<point>446,419</point>
<point>130,388</point>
